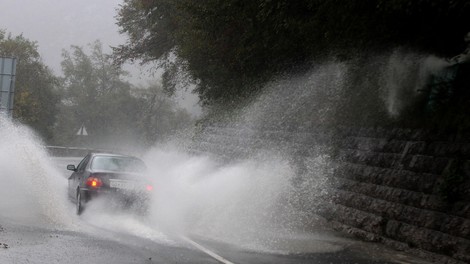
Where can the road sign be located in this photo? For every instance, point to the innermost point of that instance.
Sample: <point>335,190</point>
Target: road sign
<point>82,131</point>
<point>7,84</point>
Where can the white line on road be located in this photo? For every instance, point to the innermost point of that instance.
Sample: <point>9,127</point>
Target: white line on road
<point>205,250</point>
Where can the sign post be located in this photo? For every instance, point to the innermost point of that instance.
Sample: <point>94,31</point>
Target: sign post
<point>7,84</point>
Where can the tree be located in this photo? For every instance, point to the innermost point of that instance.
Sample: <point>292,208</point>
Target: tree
<point>114,112</point>
<point>229,48</point>
<point>36,91</point>
<point>160,116</point>
<point>147,24</point>
<point>94,95</point>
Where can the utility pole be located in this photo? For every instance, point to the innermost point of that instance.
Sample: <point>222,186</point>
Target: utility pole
<point>7,84</point>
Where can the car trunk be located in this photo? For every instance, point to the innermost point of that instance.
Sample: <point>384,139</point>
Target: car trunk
<point>121,181</point>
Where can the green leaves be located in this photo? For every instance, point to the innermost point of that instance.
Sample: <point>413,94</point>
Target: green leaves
<point>114,112</point>
<point>36,93</point>
<point>150,26</point>
<point>230,47</point>
<point>93,94</point>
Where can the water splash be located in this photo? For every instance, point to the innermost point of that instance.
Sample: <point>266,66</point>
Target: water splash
<point>262,191</point>
<point>404,75</point>
<point>275,152</point>
<point>33,191</point>
<point>235,203</point>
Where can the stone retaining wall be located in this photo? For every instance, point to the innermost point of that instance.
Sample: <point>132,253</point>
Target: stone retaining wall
<point>391,188</point>
<point>389,185</point>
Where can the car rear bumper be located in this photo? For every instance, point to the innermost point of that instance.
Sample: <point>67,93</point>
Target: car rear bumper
<point>117,195</point>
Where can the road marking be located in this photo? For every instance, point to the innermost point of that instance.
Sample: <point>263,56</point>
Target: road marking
<point>207,251</point>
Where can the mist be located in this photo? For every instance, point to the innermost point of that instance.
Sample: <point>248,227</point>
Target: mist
<point>76,22</point>
<point>33,191</point>
<point>258,196</point>
<point>405,75</point>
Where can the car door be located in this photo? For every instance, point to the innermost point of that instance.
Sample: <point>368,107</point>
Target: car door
<point>75,178</point>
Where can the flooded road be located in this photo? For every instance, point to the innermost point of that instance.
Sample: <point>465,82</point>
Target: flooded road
<point>201,212</point>
<point>89,244</point>
<point>103,236</point>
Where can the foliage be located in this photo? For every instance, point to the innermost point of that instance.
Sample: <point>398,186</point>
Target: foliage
<point>140,20</point>
<point>229,48</point>
<point>159,115</point>
<point>36,91</point>
<point>96,96</point>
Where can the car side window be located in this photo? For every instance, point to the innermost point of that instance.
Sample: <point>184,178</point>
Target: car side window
<point>83,163</point>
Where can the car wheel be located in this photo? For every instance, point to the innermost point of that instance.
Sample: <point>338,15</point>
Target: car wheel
<point>78,203</point>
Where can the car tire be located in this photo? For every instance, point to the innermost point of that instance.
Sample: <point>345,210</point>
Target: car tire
<point>79,202</point>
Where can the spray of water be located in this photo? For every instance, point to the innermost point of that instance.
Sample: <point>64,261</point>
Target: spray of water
<point>232,202</point>
<point>99,214</point>
<point>33,192</point>
<point>404,75</point>
<point>270,191</point>
<point>266,195</point>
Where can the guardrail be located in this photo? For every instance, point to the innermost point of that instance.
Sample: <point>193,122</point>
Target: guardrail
<point>60,151</point>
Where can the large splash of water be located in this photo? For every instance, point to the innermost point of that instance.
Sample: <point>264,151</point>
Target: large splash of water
<point>258,199</point>
<point>32,190</point>
<point>270,191</point>
<point>278,177</point>
<point>404,75</point>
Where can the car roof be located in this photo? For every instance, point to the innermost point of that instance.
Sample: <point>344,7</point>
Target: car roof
<point>94,154</point>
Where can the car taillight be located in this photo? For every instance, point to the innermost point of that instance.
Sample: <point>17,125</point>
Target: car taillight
<point>149,188</point>
<point>94,182</point>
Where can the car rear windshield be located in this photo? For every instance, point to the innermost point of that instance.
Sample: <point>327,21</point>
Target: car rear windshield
<point>119,164</point>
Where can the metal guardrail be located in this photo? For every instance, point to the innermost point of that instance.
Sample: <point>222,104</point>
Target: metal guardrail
<point>60,151</point>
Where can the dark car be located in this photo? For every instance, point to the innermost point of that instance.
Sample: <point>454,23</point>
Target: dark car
<point>119,178</point>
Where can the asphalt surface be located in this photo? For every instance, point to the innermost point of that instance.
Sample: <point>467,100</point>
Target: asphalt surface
<point>84,241</point>
<point>34,244</point>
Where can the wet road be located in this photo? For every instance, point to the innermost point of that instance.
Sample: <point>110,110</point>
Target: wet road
<point>85,241</point>
<point>30,244</point>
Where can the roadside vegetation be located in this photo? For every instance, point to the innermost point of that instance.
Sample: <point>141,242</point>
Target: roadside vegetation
<point>37,89</point>
<point>229,50</point>
<point>92,93</point>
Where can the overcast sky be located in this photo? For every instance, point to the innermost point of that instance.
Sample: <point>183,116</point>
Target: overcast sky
<point>57,24</point>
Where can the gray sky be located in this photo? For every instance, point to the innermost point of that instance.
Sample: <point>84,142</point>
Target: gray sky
<point>57,24</point>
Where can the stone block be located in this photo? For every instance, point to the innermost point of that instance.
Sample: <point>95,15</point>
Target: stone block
<point>391,228</point>
<point>426,164</point>
<point>433,202</point>
<point>359,219</point>
<point>416,147</point>
<point>376,159</point>
<point>385,209</point>
<point>443,149</point>
<point>374,144</point>
<point>394,146</point>
<point>421,182</point>
<point>456,226</point>
<point>357,232</point>
<point>433,241</point>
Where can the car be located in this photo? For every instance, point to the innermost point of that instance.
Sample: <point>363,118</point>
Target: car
<point>118,178</point>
